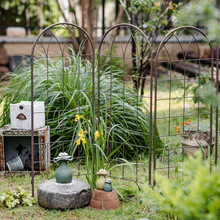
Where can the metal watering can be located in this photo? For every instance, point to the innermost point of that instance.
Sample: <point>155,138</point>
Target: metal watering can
<point>15,164</point>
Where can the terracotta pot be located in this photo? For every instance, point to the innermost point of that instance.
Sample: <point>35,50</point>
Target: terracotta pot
<point>104,200</point>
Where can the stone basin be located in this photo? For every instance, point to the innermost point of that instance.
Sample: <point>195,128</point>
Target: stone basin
<point>55,195</point>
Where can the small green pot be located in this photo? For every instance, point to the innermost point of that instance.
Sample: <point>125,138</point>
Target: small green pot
<point>108,185</point>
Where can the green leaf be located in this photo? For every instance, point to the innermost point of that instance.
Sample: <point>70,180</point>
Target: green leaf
<point>14,203</point>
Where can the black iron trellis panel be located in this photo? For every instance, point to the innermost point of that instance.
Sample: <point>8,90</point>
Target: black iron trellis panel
<point>136,37</point>
<point>131,58</point>
<point>58,72</point>
<point>174,64</point>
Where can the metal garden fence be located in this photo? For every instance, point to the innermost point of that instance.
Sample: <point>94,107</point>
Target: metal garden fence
<point>127,102</point>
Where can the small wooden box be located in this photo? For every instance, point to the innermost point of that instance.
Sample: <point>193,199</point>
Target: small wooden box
<point>15,143</point>
<point>20,115</point>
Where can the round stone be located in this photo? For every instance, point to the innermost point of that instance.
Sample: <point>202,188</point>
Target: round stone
<point>55,195</point>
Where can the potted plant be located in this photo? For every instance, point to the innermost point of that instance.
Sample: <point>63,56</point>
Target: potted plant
<point>196,135</point>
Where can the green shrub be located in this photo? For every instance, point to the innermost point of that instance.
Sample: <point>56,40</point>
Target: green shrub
<point>196,195</point>
<point>68,94</point>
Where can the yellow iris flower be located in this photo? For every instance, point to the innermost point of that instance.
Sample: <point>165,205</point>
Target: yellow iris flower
<point>81,138</point>
<point>82,131</point>
<point>78,142</point>
<point>77,118</point>
<point>97,134</point>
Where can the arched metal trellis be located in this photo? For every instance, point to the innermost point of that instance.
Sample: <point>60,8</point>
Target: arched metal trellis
<point>186,55</point>
<point>120,93</point>
<point>126,47</point>
<point>59,67</point>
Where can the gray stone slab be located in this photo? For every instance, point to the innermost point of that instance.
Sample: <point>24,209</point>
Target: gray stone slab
<point>31,39</point>
<point>55,195</point>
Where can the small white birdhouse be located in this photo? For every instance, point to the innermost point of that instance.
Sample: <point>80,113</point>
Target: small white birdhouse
<point>20,114</point>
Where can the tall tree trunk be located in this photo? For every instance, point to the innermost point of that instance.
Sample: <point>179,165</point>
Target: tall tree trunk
<point>87,9</point>
<point>91,17</point>
<point>83,4</point>
<point>117,21</point>
<point>41,15</point>
<point>27,19</point>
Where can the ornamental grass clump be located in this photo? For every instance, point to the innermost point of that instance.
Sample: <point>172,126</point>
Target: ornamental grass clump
<point>65,85</point>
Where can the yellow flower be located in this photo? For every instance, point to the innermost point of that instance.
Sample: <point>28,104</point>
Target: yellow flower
<point>83,140</point>
<point>78,142</point>
<point>96,135</point>
<point>78,117</point>
<point>80,135</point>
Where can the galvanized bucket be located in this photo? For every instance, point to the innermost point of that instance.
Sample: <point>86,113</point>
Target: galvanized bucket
<point>15,164</point>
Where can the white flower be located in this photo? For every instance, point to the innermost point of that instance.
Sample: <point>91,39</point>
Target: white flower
<point>102,170</point>
<point>63,154</point>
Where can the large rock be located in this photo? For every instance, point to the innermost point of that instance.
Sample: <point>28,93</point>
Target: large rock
<point>55,195</point>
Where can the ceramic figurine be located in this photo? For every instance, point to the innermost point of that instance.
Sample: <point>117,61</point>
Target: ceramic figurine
<point>108,185</point>
<point>101,180</point>
<point>63,173</point>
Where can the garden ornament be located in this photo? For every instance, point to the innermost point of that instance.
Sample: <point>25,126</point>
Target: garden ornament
<point>101,180</point>
<point>63,173</point>
<point>108,185</point>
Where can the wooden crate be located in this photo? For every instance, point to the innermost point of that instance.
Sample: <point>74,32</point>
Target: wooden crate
<point>15,142</point>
